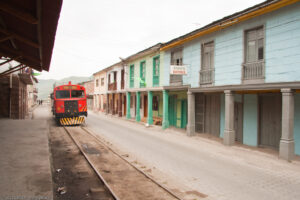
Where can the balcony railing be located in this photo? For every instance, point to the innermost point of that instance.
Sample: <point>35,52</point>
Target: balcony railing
<point>207,76</point>
<point>112,86</point>
<point>254,70</point>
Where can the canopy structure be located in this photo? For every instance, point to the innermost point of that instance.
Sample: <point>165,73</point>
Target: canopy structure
<point>27,32</point>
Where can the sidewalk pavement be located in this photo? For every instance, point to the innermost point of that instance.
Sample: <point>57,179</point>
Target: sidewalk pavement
<point>25,160</point>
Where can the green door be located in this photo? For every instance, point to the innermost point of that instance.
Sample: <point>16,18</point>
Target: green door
<point>183,113</point>
<point>172,111</point>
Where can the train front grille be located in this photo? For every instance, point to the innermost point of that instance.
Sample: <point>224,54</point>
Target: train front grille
<point>71,107</point>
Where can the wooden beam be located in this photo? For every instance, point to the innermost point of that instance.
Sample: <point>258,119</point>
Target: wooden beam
<point>3,39</point>
<point>20,38</point>
<point>21,14</point>
<point>39,28</point>
<point>12,41</point>
<point>3,63</point>
<point>22,67</point>
<point>11,69</point>
<point>9,60</point>
<point>12,52</point>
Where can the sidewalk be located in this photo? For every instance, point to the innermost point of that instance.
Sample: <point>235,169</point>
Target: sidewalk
<point>25,160</point>
<point>202,164</point>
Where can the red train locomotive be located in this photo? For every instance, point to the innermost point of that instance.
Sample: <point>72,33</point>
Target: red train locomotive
<point>69,104</point>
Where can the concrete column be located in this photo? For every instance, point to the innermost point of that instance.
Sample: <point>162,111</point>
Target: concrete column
<point>138,103</point>
<point>229,132</point>
<point>107,104</point>
<point>120,105</point>
<point>150,103</point>
<point>128,116</point>
<point>287,145</point>
<point>191,114</point>
<point>165,123</point>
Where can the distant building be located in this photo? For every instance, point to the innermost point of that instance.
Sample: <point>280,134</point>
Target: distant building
<point>100,91</point>
<point>89,89</point>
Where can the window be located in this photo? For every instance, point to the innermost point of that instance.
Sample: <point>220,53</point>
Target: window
<point>156,71</point>
<point>62,94</point>
<point>143,74</point>
<point>77,93</point>
<point>254,45</point>
<point>176,59</point>
<point>115,77</point>
<point>122,79</point>
<point>253,68</point>
<point>102,81</point>
<point>207,63</point>
<point>131,75</point>
<point>97,82</point>
<point>208,56</point>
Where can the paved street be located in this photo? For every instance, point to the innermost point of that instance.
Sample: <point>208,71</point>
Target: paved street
<point>202,164</point>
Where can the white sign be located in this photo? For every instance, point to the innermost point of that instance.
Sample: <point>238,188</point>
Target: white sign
<point>178,70</point>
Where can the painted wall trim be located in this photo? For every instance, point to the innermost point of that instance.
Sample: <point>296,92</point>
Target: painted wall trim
<point>231,21</point>
<point>250,88</point>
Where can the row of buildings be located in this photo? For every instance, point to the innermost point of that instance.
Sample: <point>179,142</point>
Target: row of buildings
<point>237,78</point>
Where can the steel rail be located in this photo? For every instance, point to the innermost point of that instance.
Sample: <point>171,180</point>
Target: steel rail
<point>146,175</point>
<point>93,167</point>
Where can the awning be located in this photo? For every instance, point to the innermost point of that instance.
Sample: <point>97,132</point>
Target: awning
<point>27,31</point>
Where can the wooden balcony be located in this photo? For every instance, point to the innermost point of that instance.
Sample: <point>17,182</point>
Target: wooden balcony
<point>112,86</point>
<point>253,71</point>
<point>207,76</point>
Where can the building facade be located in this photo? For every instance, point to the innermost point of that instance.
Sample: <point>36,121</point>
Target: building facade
<point>237,78</point>
<point>116,96</point>
<point>89,90</point>
<point>100,90</point>
<point>244,77</point>
<point>144,86</point>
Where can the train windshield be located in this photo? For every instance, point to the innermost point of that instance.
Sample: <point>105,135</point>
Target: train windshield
<point>77,94</point>
<point>62,94</point>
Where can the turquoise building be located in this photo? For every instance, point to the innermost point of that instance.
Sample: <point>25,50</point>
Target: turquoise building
<point>144,76</point>
<point>243,77</point>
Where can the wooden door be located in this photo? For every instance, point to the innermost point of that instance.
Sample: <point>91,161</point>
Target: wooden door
<point>199,112</point>
<point>212,114</point>
<point>238,121</point>
<point>134,105</point>
<point>125,105</point>
<point>145,106</point>
<point>270,120</point>
<point>172,111</point>
<point>183,113</point>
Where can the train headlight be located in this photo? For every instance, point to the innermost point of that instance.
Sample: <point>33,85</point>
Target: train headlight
<point>80,105</point>
<point>58,108</point>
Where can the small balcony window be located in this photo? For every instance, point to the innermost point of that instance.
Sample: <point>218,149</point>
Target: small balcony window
<point>253,68</point>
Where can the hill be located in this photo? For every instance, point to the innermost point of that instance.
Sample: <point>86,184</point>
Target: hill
<point>45,86</point>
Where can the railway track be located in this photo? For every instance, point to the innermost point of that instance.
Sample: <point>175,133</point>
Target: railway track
<point>122,179</point>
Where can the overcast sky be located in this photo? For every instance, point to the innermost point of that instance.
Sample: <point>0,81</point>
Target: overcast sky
<point>93,34</point>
